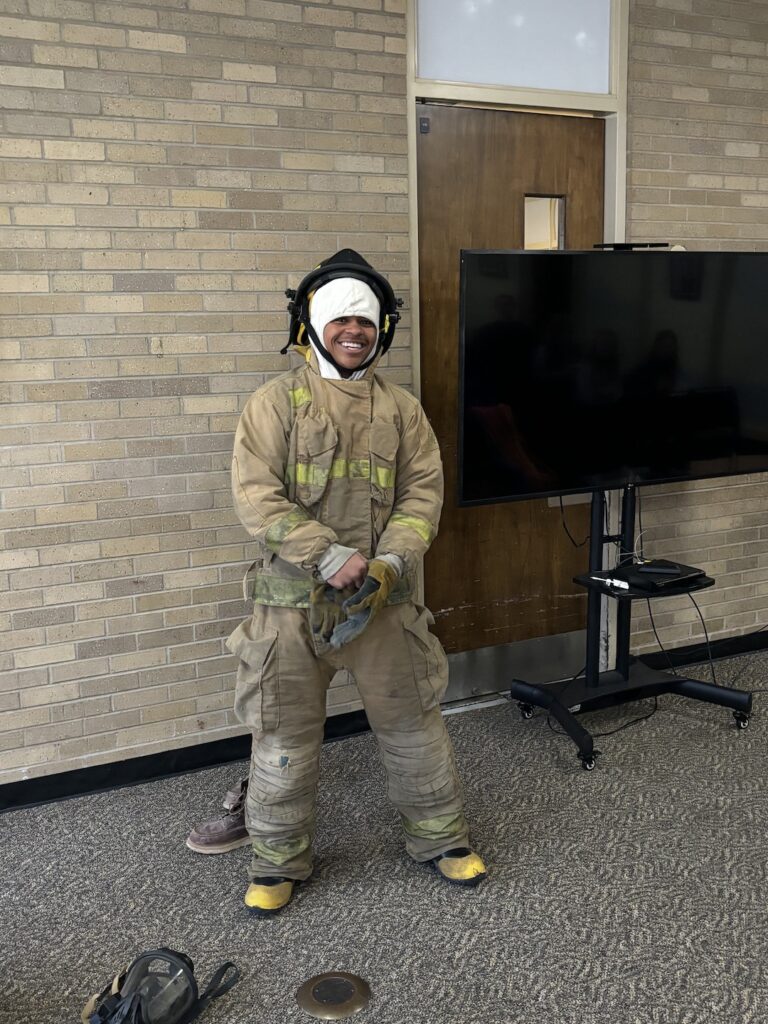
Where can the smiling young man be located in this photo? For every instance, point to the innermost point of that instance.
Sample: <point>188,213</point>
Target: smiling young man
<point>350,339</point>
<point>336,473</point>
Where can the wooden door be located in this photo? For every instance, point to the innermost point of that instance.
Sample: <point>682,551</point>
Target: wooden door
<point>496,573</point>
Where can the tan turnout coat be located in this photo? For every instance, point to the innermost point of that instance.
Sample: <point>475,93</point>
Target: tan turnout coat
<point>319,461</point>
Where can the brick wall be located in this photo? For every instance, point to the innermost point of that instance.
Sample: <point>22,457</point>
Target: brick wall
<point>697,174</point>
<point>167,168</point>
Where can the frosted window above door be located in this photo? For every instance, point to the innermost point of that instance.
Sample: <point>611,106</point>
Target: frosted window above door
<point>534,44</point>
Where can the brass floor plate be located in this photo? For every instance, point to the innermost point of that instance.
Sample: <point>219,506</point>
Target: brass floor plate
<point>333,996</point>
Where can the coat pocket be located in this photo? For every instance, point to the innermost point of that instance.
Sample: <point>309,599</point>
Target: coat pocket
<point>316,445</point>
<point>257,690</point>
<point>430,665</point>
<point>385,441</point>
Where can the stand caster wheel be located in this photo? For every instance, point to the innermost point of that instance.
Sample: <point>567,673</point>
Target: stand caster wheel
<point>589,761</point>
<point>742,720</point>
<point>526,710</point>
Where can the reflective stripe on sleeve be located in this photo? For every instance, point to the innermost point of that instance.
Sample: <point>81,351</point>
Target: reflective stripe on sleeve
<point>280,529</point>
<point>421,526</point>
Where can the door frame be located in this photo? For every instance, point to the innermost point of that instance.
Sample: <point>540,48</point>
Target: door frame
<point>611,107</point>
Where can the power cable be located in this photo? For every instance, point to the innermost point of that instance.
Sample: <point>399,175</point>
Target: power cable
<point>576,544</point>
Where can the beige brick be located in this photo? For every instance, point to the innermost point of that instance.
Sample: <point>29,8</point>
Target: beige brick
<point>249,72</point>
<point>20,148</point>
<point>179,111</point>
<point>47,655</point>
<point>250,115</point>
<point>124,106</point>
<point>164,132</point>
<point>23,282</point>
<point>123,14</point>
<point>93,35</point>
<point>273,11</point>
<point>113,303</point>
<point>161,41</point>
<point>232,7</point>
<point>24,758</point>
<point>67,56</point>
<point>21,28</point>
<point>18,559</point>
<point>60,8</point>
<point>44,215</point>
<point>54,149</point>
<point>78,195</point>
<point>358,41</point>
<point>380,23</point>
<point>264,96</point>
<point>208,198</point>
<point>220,92</point>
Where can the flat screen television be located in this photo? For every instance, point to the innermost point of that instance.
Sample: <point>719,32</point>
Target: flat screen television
<point>583,371</point>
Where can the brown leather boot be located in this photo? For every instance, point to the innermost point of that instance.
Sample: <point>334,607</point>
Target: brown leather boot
<point>226,832</point>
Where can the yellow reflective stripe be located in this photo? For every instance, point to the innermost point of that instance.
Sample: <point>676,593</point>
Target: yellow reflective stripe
<point>383,476</point>
<point>280,529</point>
<point>279,851</point>
<point>306,473</point>
<point>299,396</point>
<point>340,469</point>
<point>424,529</point>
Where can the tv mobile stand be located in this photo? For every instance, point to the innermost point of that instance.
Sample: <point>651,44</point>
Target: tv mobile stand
<point>631,679</point>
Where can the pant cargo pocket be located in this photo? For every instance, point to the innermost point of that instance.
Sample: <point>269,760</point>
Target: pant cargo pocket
<point>257,691</point>
<point>430,665</point>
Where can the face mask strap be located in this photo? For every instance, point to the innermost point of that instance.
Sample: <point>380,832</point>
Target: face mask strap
<point>216,987</point>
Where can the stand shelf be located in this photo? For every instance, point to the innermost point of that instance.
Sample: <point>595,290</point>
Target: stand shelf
<point>630,679</point>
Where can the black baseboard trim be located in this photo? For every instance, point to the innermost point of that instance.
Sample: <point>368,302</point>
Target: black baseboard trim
<point>135,770</point>
<point>693,654</point>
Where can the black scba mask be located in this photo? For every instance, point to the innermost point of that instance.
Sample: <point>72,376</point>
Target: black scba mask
<point>345,263</point>
<point>158,988</point>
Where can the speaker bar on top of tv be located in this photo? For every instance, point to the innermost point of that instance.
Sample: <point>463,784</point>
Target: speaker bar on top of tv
<point>629,246</point>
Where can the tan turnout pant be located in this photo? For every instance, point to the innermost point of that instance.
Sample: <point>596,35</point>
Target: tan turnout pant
<point>401,672</point>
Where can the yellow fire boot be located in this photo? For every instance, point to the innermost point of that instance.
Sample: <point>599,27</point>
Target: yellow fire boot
<point>267,896</point>
<point>460,866</point>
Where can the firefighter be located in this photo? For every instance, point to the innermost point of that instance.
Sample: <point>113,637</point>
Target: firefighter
<point>336,473</point>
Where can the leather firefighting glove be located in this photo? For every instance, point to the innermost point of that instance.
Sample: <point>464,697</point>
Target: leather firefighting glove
<point>326,610</point>
<point>363,605</point>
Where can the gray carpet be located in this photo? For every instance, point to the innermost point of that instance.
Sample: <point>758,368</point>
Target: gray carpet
<point>634,894</point>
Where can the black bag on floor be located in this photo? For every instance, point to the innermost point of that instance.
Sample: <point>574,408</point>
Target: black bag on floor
<point>158,988</point>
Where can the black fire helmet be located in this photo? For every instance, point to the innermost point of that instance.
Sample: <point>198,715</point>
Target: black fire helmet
<point>345,263</point>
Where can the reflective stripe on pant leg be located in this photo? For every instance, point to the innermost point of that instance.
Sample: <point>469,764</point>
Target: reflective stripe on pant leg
<point>400,686</point>
<point>280,803</point>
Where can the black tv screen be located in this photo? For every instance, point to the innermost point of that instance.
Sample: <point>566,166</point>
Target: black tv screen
<point>592,370</point>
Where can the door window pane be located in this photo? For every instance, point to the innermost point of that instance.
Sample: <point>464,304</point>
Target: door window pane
<point>536,44</point>
<point>544,222</point>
